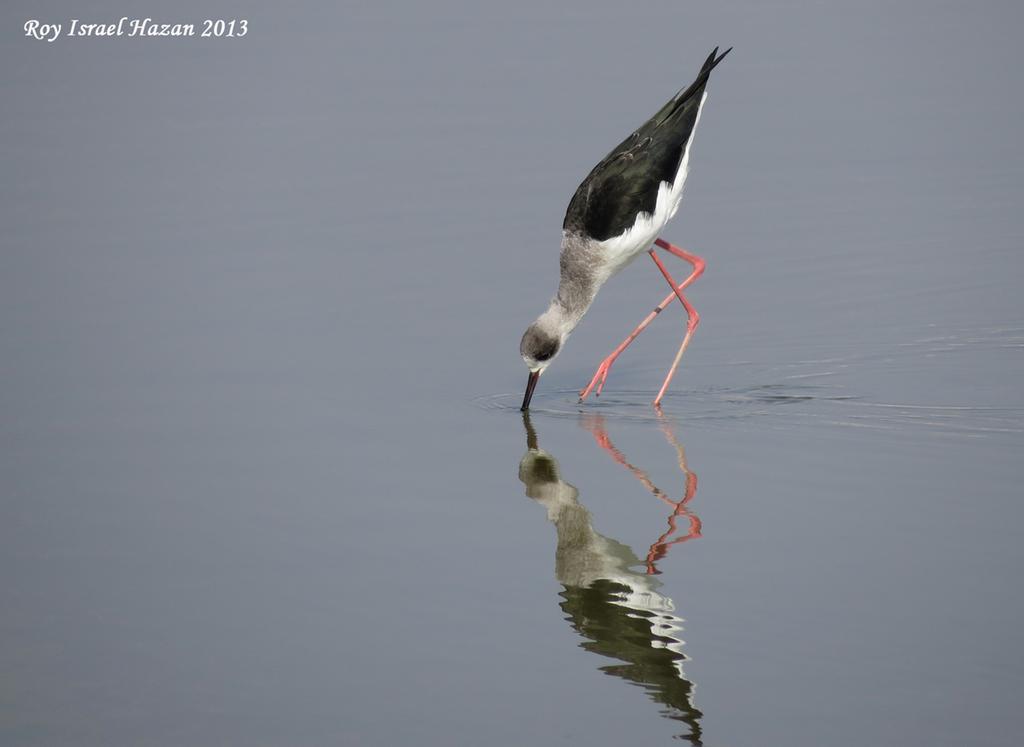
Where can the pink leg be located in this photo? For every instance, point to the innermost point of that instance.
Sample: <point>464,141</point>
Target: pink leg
<point>692,317</point>
<point>698,268</point>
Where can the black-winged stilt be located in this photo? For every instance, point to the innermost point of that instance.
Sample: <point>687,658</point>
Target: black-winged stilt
<point>614,217</point>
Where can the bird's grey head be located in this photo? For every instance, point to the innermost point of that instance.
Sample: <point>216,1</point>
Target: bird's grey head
<point>541,343</point>
<point>539,346</point>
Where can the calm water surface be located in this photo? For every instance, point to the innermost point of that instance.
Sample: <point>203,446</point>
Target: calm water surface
<point>263,476</point>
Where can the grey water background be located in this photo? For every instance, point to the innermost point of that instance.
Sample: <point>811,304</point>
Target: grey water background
<point>260,303</point>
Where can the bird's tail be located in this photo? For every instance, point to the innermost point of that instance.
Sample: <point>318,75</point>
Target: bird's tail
<point>677,103</point>
<point>713,59</point>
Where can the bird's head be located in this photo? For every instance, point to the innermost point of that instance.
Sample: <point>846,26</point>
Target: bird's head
<point>539,346</point>
<point>541,342</point>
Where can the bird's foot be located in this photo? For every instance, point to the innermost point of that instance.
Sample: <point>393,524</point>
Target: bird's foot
<point>600,376</point>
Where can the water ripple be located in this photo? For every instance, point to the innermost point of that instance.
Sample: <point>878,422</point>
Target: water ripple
<point>822,390</point>
<point>783,403</point>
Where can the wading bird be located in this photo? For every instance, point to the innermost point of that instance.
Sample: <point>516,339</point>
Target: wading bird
<point>614,217</point>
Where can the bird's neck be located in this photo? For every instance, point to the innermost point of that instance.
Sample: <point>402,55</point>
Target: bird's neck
<point>558,321</point>
<point>566,310</point>
<point>577,285</point>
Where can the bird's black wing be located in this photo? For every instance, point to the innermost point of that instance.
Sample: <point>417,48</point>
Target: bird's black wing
<point>626,181</point>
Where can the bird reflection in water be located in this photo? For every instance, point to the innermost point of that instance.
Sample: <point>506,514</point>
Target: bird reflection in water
<point>610,594</point>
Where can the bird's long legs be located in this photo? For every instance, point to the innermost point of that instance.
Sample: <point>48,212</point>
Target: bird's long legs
<point>693,318</point>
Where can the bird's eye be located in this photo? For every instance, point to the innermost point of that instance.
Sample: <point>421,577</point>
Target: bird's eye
<point>546,351</point>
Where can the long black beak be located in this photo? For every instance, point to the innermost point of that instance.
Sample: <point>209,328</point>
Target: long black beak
<point>530,386</point>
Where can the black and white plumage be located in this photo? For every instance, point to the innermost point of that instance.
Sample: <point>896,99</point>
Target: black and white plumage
<point>634,179</point>
<point>616,214</point>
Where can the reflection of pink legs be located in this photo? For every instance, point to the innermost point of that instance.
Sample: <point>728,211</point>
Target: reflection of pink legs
<point>601,375</point>
<point>661,545</point>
